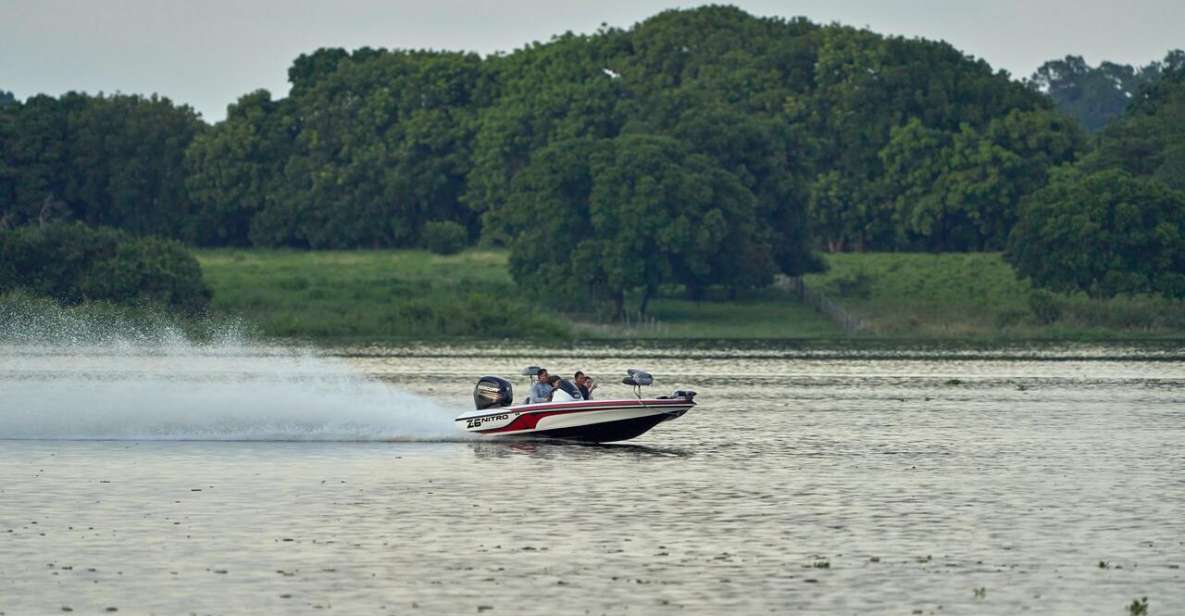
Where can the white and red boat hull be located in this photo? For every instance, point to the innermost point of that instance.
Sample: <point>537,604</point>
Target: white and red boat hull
<point>597,421</point>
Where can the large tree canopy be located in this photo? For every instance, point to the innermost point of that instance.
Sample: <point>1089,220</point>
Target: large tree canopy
<point>1106,233</point>
<point>960,191</point>
<point>648,212</point>
<point>1115,222</point>
<point>114,161</point>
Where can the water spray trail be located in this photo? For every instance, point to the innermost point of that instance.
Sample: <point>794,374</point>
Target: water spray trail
<point>64,376</point>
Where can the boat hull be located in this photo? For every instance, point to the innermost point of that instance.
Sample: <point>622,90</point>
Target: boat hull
<point>596,421</point>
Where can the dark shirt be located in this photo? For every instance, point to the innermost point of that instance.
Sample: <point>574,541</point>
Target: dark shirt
<point>585,392</point>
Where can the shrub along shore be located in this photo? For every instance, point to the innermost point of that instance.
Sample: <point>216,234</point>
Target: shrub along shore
<point>374,296</point>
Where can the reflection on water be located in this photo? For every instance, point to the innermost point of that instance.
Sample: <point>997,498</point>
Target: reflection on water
<point>830,481</point>
<point>547,449</point>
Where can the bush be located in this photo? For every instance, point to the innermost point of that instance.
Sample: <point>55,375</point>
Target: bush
<point>73,263</point>
<point>445,237</point>
<point>1046,307</point>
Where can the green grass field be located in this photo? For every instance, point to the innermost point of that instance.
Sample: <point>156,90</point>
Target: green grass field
<point>977,295</point>
<point>413,295</point>
<point>768,315</point>
<point>373,295</point>
<point>407,294</point>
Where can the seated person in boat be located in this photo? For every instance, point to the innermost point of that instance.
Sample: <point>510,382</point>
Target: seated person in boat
<point>541,389</point>
<point>563,391</point>
<point>585,384</point>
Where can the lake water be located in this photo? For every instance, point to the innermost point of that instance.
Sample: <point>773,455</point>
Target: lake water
<point>172,478</point>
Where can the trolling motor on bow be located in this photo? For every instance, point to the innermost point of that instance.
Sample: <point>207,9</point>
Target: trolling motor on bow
<point>641,378</point>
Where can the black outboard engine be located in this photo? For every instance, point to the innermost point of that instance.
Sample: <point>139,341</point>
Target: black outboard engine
<point>492,392</point>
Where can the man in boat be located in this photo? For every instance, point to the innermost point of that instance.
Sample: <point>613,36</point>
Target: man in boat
<point>585,384</point>
<point>540,389</point>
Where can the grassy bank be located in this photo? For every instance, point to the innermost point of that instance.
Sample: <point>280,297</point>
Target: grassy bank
<point>376,295</point>
<point>978,295</point>
<point>373,295</point>
<point>391,295</point>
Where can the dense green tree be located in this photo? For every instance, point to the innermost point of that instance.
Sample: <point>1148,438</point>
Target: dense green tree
<point>103,160</point>
<point>35,159</point>
<point>236,170</point>
<point>1149,138</point>
<point>865,86</point>
<point>960,191</point>
<point>916,161</point>
<point>1114,222</point>
<point>10,173</point>
<point>382,147</point>
<point>766,155</point>
<point>72,263</point>
<point>1105,233</point>
<point>126,163</point>
<point>838,213</point>
<point>633,213</point>
<point>7,99</point>
<point>554,254</point>
<point>668,215</point>
<point>823,100</point>
<point>565,89</point>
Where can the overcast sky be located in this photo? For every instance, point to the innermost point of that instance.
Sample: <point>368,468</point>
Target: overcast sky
<point>208,52</point>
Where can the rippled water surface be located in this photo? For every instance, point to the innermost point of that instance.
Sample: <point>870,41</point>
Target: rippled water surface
<point>818,480</point>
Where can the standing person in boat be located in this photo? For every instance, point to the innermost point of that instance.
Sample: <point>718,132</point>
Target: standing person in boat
<point>584,383</point>
<point>563,391</point>
<point>541,389</point>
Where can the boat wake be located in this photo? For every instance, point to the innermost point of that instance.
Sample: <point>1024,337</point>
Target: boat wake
<point>83,386</point>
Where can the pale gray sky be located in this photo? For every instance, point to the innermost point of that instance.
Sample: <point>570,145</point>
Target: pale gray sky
<point>208,52</point>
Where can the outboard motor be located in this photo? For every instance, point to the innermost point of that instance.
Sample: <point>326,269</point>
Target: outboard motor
<point>492,392</point>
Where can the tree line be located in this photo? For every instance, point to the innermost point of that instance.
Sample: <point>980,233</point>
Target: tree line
<point>1096,95</point>
<point>701,148</point>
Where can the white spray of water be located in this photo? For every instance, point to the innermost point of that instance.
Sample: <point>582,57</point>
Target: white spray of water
<point>65,376</point>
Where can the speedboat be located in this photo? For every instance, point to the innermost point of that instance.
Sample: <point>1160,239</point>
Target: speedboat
<point>590,421</point>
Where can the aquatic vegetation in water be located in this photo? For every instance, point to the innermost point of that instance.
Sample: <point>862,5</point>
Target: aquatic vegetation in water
<point>1138,607</point>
